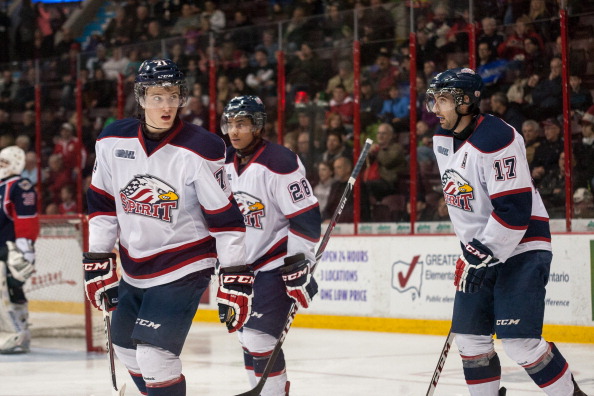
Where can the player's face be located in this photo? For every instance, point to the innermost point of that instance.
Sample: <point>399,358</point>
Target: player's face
<point>241,132</point>
<point>160,107</point>
<point>442,104</point>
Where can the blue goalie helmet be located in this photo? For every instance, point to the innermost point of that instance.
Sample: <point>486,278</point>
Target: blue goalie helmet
<point>460,83</point>
<point>244,106</point>
<point>159,72</point>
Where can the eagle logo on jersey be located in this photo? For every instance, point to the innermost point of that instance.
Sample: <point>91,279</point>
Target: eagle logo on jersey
<point>456,190</point>
<point>149,196</point>
<point>251,208</point>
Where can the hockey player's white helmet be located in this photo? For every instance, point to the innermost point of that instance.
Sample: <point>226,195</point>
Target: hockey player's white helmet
<point>12,161</point>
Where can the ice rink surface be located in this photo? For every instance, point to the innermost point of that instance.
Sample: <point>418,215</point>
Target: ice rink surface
<point>319,362</point>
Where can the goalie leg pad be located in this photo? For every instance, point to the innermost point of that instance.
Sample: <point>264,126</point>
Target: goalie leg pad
<point>548,369</point>
<point>128,357</point>
<point>157,365</point>
<point>14,330</point>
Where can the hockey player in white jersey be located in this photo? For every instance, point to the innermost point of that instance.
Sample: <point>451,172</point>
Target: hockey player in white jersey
<point>283,226</point>
<point>159,187</point>
<point>19,227</point>
<point>503,228</point>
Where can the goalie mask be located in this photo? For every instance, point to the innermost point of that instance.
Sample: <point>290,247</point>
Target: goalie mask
<point>162,73</point>
<point>12,161</point>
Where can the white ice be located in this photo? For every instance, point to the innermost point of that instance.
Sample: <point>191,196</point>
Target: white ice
<point>319,362</point>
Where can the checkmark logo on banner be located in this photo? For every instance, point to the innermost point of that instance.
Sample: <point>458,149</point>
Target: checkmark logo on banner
<point>403,279</point>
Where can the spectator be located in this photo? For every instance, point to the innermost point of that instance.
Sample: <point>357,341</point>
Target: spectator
<point>188,20</point>
<point>547,95</point>
<point>513,47</point>
<point>370,104</point>
<point>154,31</point>
<point>116,64</point>
<point>342,104</point>
<point>66,147</point>
<point>65,41</point>
<point>532,138</point>
<point>389,159</point>
<point>380,19</point>
<point>178,55</point>
<point>99,92</point>
<point>67,205</point>
<point>97,61</point>
<point>441,212</point>
<point>270,44</point>
<point>396,109</point>
<point>583,203</point>
<point>335,147</point>
<point>584,148</point>
<point>325,181</point>
<point>195,112</point>
<point>308,155</point>
<point>552,186</point>
<point>55,176</point>
<point>534,60</point>
<point>424,212</point>
<point>439,26</point>
<point>25,31</point>
<point>580,97</point>
<point>296,29</point>
<point>139,25</point>
<point>383,74</point>
<point>343,167</point>
<point>334,124</point>
<point>214,15</point>
<point>542,20</point>
<point>520,92</point>
<point>546,156</point>
<point>336,29</point>
<point>243,33</point>
<point>490,35</point>
<point>345,77</point>
<point>262,77</point>
<point>25,94</point>
<point>306,71</point>
<point>8,90</point>
<point>30,171</point>
<point>23,142</point>
<point>117,32</point>
<point>508,112</point>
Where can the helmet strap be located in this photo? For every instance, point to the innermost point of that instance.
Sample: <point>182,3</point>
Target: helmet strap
<point>251,148</point>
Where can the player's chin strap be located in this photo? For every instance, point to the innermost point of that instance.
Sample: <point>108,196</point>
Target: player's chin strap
<point>252,147</point>
<point>463,134</point>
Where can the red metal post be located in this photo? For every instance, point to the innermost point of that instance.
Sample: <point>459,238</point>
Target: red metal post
<point>566,119</point>
<point>121,99</point>
<point>357,128</point>
<point>38,138</point>
<point>79,121</point>
<point>282,95</point>
<point>472,45</point>
<point>412,47</point>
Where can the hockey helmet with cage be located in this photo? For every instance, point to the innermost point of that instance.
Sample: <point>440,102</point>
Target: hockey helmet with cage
<point>12,161</point>
<point>249,106</point>
<point>458,82</point>
<point>163,73</point>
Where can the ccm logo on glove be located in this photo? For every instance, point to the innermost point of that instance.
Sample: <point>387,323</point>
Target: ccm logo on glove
<point>243,279</point>
<point>96,266</point>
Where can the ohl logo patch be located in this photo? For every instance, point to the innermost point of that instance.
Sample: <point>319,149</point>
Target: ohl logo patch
<point>252,209</point>
<point>456,190</point>
<point>149,196</point>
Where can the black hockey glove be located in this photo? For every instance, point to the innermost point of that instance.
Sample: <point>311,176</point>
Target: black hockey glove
<point>472,266</point>
<point>235,296</point>
<point>101,278</point>
<point>301,285</point>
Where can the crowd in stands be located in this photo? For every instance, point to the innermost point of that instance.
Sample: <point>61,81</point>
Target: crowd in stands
<point>518,52</point>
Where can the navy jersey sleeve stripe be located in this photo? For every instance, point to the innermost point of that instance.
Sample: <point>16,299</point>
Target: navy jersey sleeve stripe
<point>306,224</point>
<point>513,210</point>
<point>538,230</point>
<point>511,192</point>
<point>302,210</point>
<point>99,202</point>
<point>228,220</point>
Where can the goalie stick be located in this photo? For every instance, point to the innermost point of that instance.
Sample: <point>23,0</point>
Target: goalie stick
<point>293,310</point>
<point>109,348</point>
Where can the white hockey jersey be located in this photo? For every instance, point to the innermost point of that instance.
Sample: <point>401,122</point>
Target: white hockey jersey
<point>170,207</point>
<point>281,214</point>
<point>489,190</point>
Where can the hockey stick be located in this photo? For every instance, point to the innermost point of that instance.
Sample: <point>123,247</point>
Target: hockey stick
<point>109,347</point>
<point>440,363</point>
<point>293,310</point>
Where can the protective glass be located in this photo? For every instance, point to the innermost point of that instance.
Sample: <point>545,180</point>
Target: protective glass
<point>439,102</point>
<point>237,122</point>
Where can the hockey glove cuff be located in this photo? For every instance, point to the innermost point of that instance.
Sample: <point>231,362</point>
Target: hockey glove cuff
<point>235,296</point>
<point>101,278</point>
<point>301,285</point>
<point>20,268</point>
<point>472,266</point>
